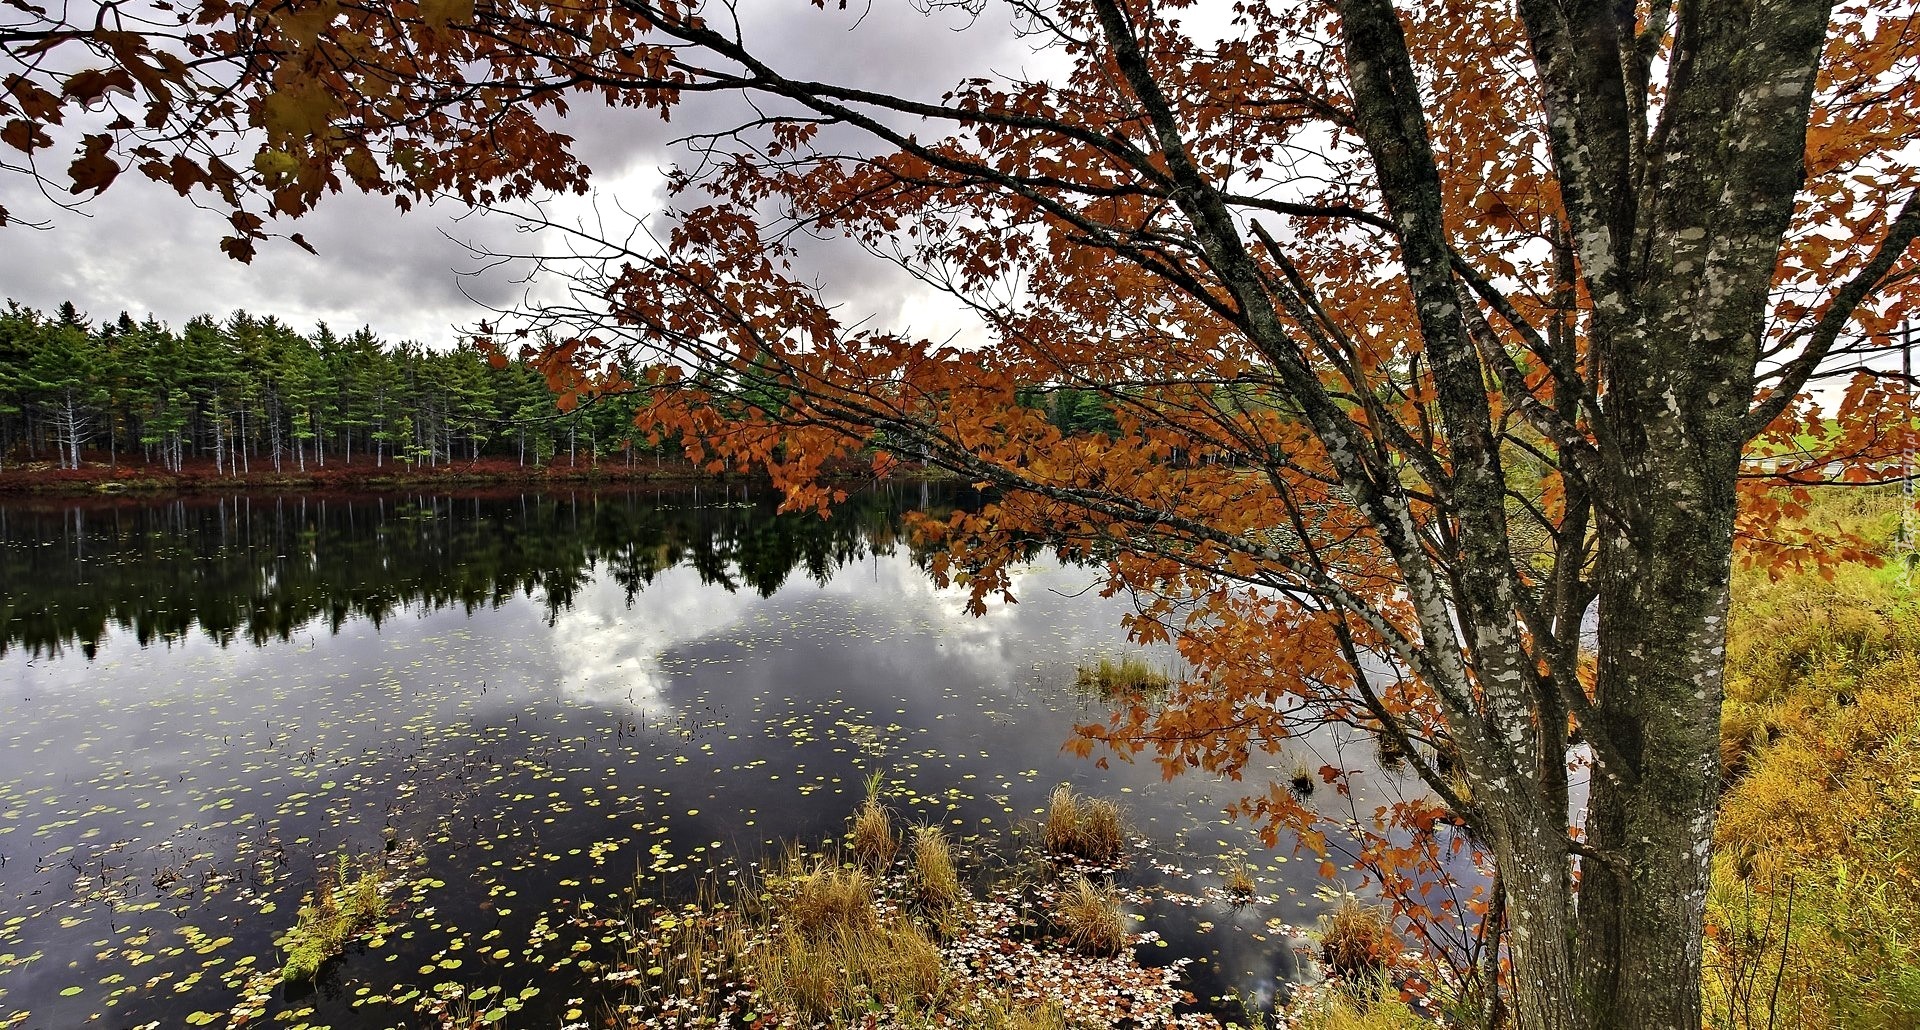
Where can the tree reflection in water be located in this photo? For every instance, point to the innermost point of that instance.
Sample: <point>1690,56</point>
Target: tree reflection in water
<point>260,568</point>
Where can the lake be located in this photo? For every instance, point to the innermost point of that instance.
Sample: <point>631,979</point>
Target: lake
<point>542,700</point>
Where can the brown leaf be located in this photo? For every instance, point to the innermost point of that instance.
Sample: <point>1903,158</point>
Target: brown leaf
<point>238,248</point>
<point>25,136</point>
<point>35,102</point>
<point>93,169</point>
<point>439,14</point>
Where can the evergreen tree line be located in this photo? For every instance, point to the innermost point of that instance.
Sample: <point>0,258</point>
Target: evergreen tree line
<point>253,394</point>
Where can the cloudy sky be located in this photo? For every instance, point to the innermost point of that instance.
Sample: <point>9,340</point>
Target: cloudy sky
<point>141,248</point>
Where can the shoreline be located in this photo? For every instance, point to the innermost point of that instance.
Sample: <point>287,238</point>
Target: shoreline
<point>98,479</point>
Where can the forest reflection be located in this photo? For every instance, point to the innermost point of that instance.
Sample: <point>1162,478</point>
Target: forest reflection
<point>260,568</point>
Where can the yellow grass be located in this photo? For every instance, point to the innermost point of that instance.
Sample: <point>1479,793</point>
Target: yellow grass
<point>1357,940</point>
<point>873,843</point>
<point>1375,1006</point>
<point>815,899</point>
<point>1128,676</point>
<point>1092,918</point>
<point>936,883</point>
<point>1084,828</point>
<point>1238,882</point>
<point>842,971</point>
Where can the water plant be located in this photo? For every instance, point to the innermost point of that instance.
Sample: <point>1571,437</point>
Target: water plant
<point>1238,881</point>
<point>815,898</point>
<point>846,969</point>
<point>828,950</point>
<point>1010,1014</point>
<point>1129,677</point>
<point>1091,917</point>
<point>936,882</point>
<point>346,904</point>
<point>1083,828</point>
<point>872,841</point>
<point>692,959</point>
<point>818,942</point>
<point>1300,779</point>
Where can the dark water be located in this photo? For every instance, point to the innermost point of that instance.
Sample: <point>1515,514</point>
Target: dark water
<point>538,697</point>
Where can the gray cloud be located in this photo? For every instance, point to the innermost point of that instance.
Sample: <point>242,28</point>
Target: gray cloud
<point>143,249</point>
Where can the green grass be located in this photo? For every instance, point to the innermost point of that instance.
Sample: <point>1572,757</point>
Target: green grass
<point>347,904</point>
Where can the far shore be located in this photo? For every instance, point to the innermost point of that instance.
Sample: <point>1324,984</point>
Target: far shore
<point>102,477</point>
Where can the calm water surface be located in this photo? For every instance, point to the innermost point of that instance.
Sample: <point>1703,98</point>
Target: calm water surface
<point>538,697</point>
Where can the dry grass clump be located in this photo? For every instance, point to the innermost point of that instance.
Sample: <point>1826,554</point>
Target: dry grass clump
<point>1129,677</point>
<point>1357,940</point>
<point>1301,780</point>
<point>818,898</point>
<point>842,972</point>
<point>1085,828</point>
<point>872,841</point>
<point>1238,881</point>
<point>829,952</point>
<point>823,943</point>
<point>936,882</point>
<point>1092,918</point>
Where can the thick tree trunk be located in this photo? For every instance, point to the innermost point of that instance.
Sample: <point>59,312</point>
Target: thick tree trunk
<point>1663,579</point>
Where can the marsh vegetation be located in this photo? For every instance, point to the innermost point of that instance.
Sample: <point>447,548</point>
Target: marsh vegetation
<point>819,938</point>
<point>347,905</point>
